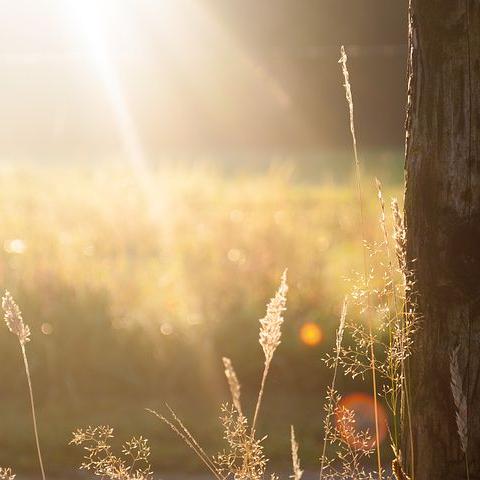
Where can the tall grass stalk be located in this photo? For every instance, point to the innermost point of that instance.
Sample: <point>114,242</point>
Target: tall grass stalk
<point>338,345</point>
<point>179,428</point>
<point>397,314</point>
<point>400,243</point>
<point>270,334</point>
<point>244,457</point>
<point>15,323</point>
<point>349,98</point>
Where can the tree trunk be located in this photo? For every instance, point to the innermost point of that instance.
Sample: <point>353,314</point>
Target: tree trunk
<point>442,209</point>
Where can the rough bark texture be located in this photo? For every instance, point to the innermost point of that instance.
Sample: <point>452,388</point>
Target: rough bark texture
<point>442,208</point>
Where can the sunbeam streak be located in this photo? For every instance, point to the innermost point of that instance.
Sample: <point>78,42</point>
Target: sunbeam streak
<point>88,17</point>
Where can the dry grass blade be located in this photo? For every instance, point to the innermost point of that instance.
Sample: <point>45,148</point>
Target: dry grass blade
<point>349,98</point>
<point>188,433</point>
<point>233,383</point>
<point>460,400</point>
<point>297,471</point>
<point>189,440</point>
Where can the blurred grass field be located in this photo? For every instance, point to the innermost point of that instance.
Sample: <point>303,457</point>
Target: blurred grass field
<point>136,287</point>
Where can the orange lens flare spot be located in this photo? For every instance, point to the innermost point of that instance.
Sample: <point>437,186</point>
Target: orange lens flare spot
<point>363,408</point>
<point>311,334</point>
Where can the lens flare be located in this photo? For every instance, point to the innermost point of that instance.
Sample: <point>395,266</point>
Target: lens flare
<point>311,334</point>
<point>363,407</point>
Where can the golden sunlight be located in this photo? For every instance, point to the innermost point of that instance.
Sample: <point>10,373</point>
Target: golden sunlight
<point>162,162</point>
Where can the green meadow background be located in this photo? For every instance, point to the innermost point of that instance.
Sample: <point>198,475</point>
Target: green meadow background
<point>136,284</point>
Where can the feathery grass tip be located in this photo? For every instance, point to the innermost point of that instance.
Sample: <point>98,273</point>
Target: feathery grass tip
<point>6,473</point>
<point>270,325</point>
<point>459,399</point>
<point>14,320</point>
<point>297,471</point>
<point>233,383</point>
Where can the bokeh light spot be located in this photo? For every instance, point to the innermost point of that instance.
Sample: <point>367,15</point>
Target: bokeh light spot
<point>17,245</point>
<point>236,216</point>
<point>236,256</point>
<point>363,407</point>
<point>311,334</point>
<point>166,328</point>
<point>46,328</point>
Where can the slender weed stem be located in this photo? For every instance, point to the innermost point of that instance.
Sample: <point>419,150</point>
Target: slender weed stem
<point>338,345</point>
<point>14,321</point>
<point>349,97</point>
<point>32,405</point>
<point>260,396</point>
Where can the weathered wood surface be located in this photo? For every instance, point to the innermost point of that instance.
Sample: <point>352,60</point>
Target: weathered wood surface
<point>442,209</point>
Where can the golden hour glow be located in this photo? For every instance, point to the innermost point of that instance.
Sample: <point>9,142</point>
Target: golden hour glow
<point>162,162</point>
<point>363,407</point>
<point>311,334</point>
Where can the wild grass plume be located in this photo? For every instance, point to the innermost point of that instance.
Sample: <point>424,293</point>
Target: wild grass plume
<point>349,98</point>
<point>132,464</point>
<point>14,320</point>
<point>243,458</point>
<point>461,405</point>
<point>460,400</point>
<point>297,471</point>
<point>351,445</point>
<point>233,383</point>
<point>270,334</point>
<point>399,235</point>
<point>270,324</point>
<point>6,473</point>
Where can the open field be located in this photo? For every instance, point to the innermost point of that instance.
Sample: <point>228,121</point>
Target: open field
<point>135,286</point>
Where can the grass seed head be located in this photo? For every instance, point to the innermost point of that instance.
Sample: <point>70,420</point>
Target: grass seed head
<point>6,473</point>
<point>459,399</point>
<point>341,326</point>
<point>14,320</point>
<point>270,325</point>
<point>233,383</point>
<point>399,235</point>
<point>297,471</point>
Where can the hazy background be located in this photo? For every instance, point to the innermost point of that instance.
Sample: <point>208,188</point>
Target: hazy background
<point>205,75</point>
<point>161,163</point>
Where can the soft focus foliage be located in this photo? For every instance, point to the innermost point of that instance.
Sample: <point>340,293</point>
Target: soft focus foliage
<point>132,289</point>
